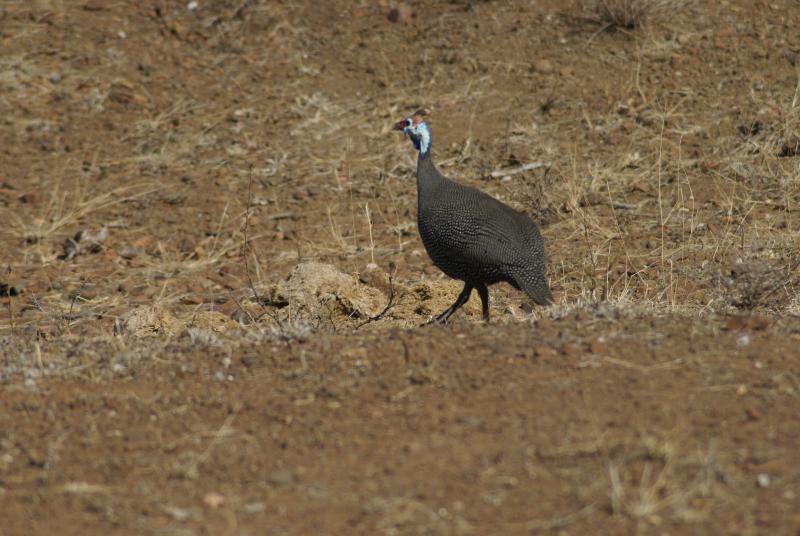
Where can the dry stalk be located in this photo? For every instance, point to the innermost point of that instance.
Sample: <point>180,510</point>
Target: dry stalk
<point>386,309</point>
<point>245,248</point>
<point>660,205</point>
<point>371,240</point>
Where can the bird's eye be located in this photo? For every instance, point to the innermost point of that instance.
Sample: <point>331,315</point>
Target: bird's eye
<point>408,122</point>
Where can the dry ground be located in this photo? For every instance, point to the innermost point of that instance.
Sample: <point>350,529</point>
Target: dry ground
<point>157,376</point>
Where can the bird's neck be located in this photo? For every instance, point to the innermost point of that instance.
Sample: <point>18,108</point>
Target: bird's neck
<point>422,139</point>
<point>428,177</point>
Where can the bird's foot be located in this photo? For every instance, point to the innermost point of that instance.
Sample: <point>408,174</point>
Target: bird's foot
<point>436,321</point>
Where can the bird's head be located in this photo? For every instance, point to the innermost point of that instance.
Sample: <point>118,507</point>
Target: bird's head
<point>414,127</point>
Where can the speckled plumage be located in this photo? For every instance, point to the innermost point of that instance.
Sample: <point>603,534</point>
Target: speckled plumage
<point>473,237</point>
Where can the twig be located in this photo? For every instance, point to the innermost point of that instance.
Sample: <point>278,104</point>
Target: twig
<point>371,241</point>
<point>75,297</point>
<point>192,468</point>
<point>245,311</point>
<point>513,171</point>
<point>245,247</point>
<point>11,317</point>
<point>380,315</point>
<point>589,251</point>
<point>561,522</point>
<point>282,215</point>
<point>660,206</point>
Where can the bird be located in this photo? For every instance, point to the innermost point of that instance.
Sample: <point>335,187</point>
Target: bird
<point>471,236</point>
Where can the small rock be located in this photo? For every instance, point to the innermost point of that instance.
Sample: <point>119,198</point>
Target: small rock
<point>763,480</point>
<point>213,499</point>
<point>228,307</point>
<point>84,242</point>
<point>281,477</point>
<point>430,269</point>
<point>87,293</point>
<point>33,197</point>
<point>194,294</point>
<point>544,351</point>
<point>375,277</point>
<point>128,252</point>
<point>124,92</point>
<point>124,287</point>
<point>597,346</point>
<point>6,460</point>
<point>149,321</point>
<point>243,317</point>
<point>178,514</point>
<point>10,289</point>
<point>253,508</point>
<point>142,243</point>
<point>401,13</point>
<point>95,5</point>
<point>543,66</point>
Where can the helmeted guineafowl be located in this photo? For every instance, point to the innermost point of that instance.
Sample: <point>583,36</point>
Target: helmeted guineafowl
<point>471,236</point>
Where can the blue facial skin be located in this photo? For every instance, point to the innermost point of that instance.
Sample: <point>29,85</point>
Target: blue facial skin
<point>414,139</point>
<point>417,133</point>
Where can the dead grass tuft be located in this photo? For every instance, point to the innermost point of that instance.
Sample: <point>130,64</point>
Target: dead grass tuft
<point>630,14</point>
<point>751,282</point>
<point>662,481</point>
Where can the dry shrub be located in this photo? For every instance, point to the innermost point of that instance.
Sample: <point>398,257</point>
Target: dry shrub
<point>630,14</point>
<point>776,130</point>
<point>750,282</point>
<point>782,136</point>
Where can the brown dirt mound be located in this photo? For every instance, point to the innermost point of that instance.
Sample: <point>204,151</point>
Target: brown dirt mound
<point>154,320</point>
<point>314,289</point>
<point>320,294</point>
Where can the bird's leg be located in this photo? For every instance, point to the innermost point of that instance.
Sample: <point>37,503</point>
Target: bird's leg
<point>461,300</point>
<point>483,292</point>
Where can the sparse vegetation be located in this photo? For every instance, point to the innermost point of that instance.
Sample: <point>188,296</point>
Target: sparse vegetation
<point>630,14</point>
<point>211,279</point>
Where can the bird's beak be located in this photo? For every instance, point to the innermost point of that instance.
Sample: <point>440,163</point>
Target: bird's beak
<point>400,125</point>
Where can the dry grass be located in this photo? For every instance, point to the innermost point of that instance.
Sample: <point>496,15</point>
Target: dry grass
<point>630,14</point>
<point>624,226</point>
<point>662,197</point>
<point>666,484</point>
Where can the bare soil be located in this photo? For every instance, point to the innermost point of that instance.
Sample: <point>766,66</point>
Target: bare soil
<point>212,283</point>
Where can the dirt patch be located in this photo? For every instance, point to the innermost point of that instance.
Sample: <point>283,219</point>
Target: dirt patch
<point>314,287</point>
<point>212,281</point>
